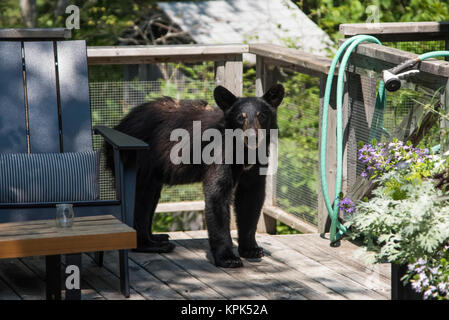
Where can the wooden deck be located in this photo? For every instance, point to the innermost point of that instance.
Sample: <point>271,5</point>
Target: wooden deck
<point>297,267</point>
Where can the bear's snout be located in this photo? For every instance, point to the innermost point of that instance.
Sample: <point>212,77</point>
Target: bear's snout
<point>252,138</point>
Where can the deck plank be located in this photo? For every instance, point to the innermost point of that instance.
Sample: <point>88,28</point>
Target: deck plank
<point>317,271</point>
<point>104,281</point>
<point>174,276</point>
<point>22,280</point>
<point>348,251</point>
<point>6,293</point>
<point>367,278</point>
<point>316,289</point>
<point>208,273</point>
<point>267,283</point>
<point>312,289</point>
<point>37,265</point>
<point>141,280</point>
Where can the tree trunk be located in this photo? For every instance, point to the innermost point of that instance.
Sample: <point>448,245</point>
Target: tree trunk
<point>28,10</point>
<point>60,7</point>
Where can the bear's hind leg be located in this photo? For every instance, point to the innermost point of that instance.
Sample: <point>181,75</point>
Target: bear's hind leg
<point>160,237</point>
<point>147,197</point>
<point>248,201</point>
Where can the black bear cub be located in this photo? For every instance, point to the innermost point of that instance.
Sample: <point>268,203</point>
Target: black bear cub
<point>224,182</point>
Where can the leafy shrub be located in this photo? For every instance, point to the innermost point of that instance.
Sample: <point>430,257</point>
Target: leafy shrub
<point>407,219</point>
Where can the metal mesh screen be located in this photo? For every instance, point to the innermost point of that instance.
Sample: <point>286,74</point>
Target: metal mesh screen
<point>418,47</point>
<point>298,118</point>
<point>296,185</point>
<point>111,100</point>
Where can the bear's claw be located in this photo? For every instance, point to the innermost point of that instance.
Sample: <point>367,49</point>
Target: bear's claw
<point>251,253</point>
<point>160,237</point>
<point>230,263</point>
<point>155,247</point>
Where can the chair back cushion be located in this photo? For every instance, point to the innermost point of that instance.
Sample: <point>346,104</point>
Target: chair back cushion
<point>49,177</point>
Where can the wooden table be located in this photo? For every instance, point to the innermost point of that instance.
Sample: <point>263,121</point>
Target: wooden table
<point>43,238</point>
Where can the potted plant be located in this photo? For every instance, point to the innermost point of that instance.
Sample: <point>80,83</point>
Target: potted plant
<point>405,221</point>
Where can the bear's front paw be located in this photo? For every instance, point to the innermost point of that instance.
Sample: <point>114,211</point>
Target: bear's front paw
<point>251,253</point>
<point>235,262</point>
<point>228,260</point>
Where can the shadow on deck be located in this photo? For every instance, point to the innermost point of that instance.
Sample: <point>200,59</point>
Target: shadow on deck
<point>296,267</point>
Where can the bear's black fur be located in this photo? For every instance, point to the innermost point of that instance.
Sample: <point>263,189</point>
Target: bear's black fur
<point>243,184</point>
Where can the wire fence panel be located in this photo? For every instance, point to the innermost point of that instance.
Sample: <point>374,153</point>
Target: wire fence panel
<point>417,47</point>
<point>297,181</point>
<point>298,119</point>
<point>111,100</point>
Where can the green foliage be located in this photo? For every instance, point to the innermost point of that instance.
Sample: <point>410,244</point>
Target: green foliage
<point>10,14</point>
<point>101,21</point>
<point>407,222</point>
<point>406,228</point>
<point>329,14</point>
<point>282,228</point>
<point>176,221</point>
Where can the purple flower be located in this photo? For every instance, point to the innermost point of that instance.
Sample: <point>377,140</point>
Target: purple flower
<point>384,157</point>
<point>416,285</point>
<point>442,287</point>
<point>347,205</point>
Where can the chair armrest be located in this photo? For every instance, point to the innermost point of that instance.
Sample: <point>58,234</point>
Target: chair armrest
<point>120,140</point>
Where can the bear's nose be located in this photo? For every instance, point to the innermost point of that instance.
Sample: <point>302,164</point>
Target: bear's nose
<point>253,137</point>
<point>251,133</point>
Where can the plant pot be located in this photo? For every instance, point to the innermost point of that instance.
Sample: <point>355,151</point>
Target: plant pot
<point>398,290</point>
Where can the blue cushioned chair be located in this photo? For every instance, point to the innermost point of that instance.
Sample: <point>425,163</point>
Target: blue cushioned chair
<point>46,153</point>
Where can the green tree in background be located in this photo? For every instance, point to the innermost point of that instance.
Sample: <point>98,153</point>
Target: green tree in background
<point>329,14</point>
<point>103,21</point>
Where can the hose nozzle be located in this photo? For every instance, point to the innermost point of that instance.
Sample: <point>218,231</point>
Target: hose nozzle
<point>392,82</point>
<point>392,77</point>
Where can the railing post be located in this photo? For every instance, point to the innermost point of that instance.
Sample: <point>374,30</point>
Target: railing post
<point>229,74</point>
<point>331,159</point>
<point>266,76</point>
<point>444,123</point>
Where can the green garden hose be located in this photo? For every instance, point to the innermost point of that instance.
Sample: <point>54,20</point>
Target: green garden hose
<point>333,211</point>
<point>337,229</point>
<point>433,54</point>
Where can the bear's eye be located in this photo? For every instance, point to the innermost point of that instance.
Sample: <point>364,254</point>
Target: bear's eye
<point>241,117</point>
<point>262,116</point>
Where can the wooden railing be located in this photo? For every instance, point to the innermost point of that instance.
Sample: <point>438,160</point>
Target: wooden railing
<point>269,58</point>
<point>399,31</point>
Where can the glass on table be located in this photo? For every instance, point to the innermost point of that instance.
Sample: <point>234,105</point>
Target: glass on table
<point>64,215</point>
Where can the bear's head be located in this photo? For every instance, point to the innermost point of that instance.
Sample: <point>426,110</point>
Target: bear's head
<point>250,114</point>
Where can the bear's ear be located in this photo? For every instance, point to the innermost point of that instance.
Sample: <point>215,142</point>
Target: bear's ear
<point>224,98</point>
<point>274,95</point>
